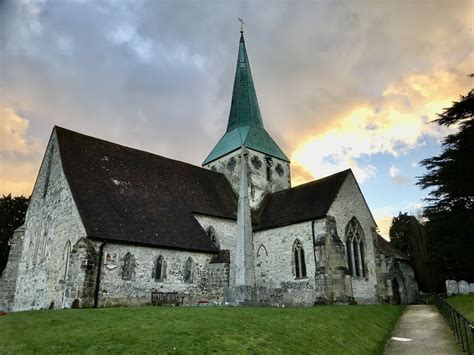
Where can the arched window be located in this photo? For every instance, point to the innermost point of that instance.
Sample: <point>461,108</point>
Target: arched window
<point>212,235</point>
<point>128,266</point>
<point>159,269</point>
<point>188,271</point>
<point>66,254</point>
<point>298,259</point>
<point>355,248</point>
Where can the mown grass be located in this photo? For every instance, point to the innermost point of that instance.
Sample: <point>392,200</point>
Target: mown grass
<point>316,330</point>
<point>464,304</point>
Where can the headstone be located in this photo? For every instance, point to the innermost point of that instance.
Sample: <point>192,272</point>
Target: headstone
<point>471,288</point>
<point>463,287</point>
<point>452,287</point>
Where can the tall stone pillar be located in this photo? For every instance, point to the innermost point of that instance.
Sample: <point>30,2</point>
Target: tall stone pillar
<point>244,263</point>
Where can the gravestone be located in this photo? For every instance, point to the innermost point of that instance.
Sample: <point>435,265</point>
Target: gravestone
<point>471,288</point>
<point>463,287</point>
<point>452,287</point>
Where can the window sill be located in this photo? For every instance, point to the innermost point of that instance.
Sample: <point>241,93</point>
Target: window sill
<point>359,278</point>
<point>301,278</point>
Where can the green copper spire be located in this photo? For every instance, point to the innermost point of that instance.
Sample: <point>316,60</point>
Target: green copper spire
<point>245,126</point>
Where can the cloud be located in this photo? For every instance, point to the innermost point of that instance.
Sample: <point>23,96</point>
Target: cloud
<point>126,34</point>
<point>344,79</point>
<point>394,124</point>
<point>394,173</point>
<point>20,154</point>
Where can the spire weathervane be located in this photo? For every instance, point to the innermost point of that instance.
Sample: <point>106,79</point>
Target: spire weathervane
<point>242,23</point>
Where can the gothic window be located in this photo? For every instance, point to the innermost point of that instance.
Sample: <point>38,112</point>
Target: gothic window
<point>212,235</point>
<point>128,266</point>
<point>159,269</point>
<point>67,253</point>
<point>355,249</point>
<point>188,271</point>
<point>299,261</point>
<point>48,171</point>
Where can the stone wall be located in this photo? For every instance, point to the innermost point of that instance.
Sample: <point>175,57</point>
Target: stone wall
<point>9,276</point>
<point>266,174</point>
<point>115,290</point>
<point>350,203</point>
<point>225,231</point>
<point>274,262</point>
<point>52,225</point>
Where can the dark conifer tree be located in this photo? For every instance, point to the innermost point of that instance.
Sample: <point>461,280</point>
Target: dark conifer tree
<point>12,216</point>
<point>450,213</point>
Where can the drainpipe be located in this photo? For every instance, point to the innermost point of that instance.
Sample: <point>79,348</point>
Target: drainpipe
<point>314,245</point>
<point>97,281</point>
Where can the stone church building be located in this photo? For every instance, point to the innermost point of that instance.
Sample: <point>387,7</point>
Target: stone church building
<point>109,225</point>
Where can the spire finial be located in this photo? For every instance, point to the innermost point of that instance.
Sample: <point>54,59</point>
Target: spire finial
<point>242,23</point>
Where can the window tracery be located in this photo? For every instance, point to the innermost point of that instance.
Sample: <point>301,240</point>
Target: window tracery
<point>355,249</point>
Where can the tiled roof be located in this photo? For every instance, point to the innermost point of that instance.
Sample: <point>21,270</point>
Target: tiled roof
<point>128,195</point>
<point>300,203</point>
<point>386,248</point>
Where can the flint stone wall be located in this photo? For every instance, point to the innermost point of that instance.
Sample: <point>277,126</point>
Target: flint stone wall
<point>52,221</point>
<point>258,164</point>
<point>274,262</point>
<point>115,291</point>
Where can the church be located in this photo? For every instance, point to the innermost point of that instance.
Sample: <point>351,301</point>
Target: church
<point>109,225</point>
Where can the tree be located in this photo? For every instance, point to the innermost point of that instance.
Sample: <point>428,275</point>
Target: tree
<point>12,216</point>
<point>408,235</point>
<point>450,213</point>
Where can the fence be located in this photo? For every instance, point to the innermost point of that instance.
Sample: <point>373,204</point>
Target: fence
<point>462,328</point>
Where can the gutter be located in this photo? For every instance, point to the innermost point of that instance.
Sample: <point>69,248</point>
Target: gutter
<point>97,281</point>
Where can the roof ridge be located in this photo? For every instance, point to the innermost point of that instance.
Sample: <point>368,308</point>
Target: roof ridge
<point>313,181</point>
<point>56,127</point>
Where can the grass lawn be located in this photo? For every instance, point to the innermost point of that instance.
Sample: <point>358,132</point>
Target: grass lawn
<point>464,304</point>
<point>319,330</point>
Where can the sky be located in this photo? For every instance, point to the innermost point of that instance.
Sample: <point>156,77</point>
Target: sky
<point>341,84</point>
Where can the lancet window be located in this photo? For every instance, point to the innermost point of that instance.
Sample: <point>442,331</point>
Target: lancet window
<point>128,266</point>
<point>159,269</point>
<point>188,271</point>
<point>299,267</point>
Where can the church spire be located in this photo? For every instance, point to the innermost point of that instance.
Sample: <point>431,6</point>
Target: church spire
<point>245,125</point>
<point>244,109</point>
